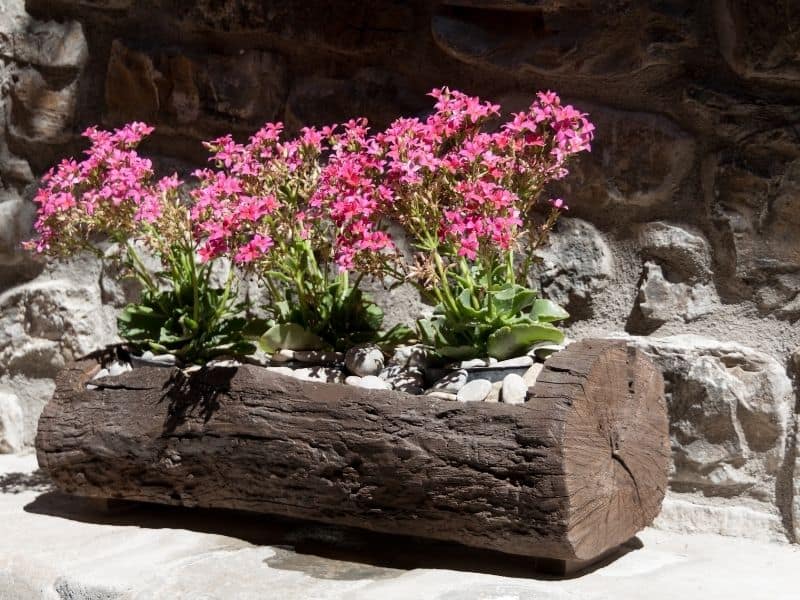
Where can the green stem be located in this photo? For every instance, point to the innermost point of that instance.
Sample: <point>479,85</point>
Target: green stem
<point>189,254</point>
<point>223,303</point>
<point>449,301</point>
<point>139,268</point>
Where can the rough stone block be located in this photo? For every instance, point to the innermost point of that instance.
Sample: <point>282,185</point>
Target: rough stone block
<point>204,94</point>
<point>684,254</point>
<point>51,45</point>
<point>11,424</point>
<point>731,414</point>
<point>41,113</point>
<point>661,300</point>
<point>576,264</point>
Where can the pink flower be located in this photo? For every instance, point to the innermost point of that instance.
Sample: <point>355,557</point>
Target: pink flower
<point>468,246</point>
<point>253,249</point>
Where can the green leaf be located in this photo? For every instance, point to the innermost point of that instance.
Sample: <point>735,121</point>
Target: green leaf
<point>548,311</point>
<point>189,323</point>
<point>515,340</point>
<point>513,299</point>
<point>457,352</point>
<point>399,334</point>
<point>166,337</point>
<point>427,332</point>
<point>467,308</point>
<point>290,336</point>
<point>373,316</point>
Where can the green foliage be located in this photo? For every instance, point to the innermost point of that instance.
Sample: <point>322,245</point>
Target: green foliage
<point>327,314</point>
<point>513,340</point>
<point>490,318</point>
<point>164,322</point>
<point>290,336</point>
<point>192,320</point>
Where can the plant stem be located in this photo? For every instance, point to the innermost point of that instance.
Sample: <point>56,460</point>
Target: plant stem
<point>450,302</point>
<point>139,268</point>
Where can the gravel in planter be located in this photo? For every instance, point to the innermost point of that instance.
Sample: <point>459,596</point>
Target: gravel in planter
<point>414,369</point>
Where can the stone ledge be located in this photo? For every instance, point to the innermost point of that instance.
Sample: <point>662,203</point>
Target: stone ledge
<point>55,547</point>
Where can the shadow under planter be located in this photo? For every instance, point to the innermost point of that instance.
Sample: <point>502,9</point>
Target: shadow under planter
<point>568,476</point>
<point>321,551</point>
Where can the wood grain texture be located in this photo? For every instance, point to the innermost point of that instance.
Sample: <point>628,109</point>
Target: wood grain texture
<point>576,470</point>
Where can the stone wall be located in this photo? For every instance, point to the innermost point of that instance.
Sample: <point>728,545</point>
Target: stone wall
<point>683,232</point>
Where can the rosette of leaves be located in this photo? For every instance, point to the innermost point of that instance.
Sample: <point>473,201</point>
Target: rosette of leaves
<point>340,318</point>
<point>193,320</point>
<point>502,321</point>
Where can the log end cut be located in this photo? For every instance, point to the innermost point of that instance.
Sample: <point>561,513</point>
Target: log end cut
<point>616,450</point>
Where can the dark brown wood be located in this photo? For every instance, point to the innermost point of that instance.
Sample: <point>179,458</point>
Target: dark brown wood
<point>575,471</point>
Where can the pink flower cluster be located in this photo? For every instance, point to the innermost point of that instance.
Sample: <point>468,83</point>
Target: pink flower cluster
<point>487,211</point>
<point>106,193</point>
<point>269,190</point>
<point>456,187</point>
<point>351,195</point>
<point>250,197</point>
<point>475,187</point>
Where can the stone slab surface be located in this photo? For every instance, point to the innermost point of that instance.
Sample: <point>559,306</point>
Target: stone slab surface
<point>55,547</point>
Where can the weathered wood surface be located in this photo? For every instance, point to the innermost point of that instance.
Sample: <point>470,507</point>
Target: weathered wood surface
<point>576,470</point>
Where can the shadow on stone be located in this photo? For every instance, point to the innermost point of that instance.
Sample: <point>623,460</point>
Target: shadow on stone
<point>318,550</point>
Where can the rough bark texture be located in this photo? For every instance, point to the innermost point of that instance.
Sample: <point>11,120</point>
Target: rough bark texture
<point>578,469</point>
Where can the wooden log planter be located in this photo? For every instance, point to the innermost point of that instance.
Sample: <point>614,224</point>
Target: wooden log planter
<point>575,471</point>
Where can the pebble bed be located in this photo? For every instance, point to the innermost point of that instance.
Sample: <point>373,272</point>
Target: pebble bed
<point>414,369</point>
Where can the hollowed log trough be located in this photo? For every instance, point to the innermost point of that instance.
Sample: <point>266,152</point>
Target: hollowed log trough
<point>572,473</point>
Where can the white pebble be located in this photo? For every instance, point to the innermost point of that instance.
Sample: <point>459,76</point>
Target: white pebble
<point>452,382</point>
<point>442,395</point>
<point>164,359</point>
<point>532,374</point>
<point>417,355</point>
<point>118,368</point>
<point>475,391</point>
<point>514,389</point>
<point>101,373</point>
<point>223,364</point>
<point>353,380</point>
<point>474,362</point>
<point>372,382</point>
<point>364,360</point>
<point>519,361</point>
